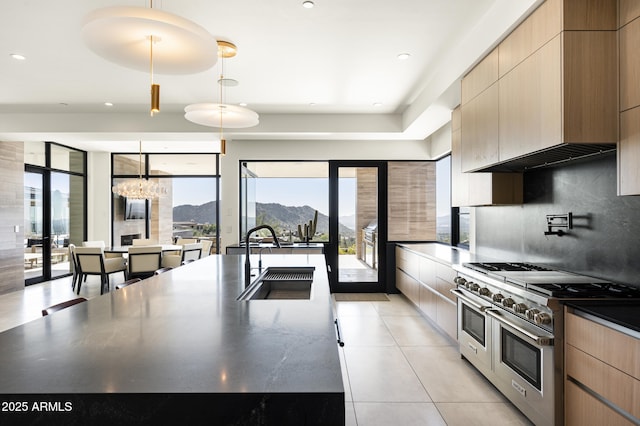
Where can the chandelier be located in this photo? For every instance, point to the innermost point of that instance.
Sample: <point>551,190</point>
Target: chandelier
<point>139,189</point>
<point>220,114</point>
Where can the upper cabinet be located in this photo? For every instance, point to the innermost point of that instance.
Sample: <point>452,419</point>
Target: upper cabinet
<point>629,145</point>
<point>551,82</point>
<point>479,189</point>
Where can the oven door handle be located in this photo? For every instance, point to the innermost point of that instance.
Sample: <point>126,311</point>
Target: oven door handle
<point>538,340</point>
<point>460,295</point>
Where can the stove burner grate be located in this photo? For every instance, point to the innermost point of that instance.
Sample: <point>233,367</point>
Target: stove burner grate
<point>504,266</point>
<point>574,290</point>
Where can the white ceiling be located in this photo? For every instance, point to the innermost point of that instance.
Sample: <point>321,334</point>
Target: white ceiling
<point>340,56</point>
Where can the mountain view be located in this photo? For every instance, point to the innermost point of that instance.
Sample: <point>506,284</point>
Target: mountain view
<point>281,218</point>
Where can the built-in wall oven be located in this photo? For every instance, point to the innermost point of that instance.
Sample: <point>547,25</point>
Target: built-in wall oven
<point>510,327</point>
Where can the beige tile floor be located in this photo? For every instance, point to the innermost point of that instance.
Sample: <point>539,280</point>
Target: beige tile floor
<point>397,369</point>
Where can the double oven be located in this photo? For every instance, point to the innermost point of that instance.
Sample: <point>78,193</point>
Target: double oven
<point>510,327</point>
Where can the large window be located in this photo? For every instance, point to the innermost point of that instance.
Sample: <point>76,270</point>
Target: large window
<point>189,210</point>
<point>443,200</point>
<point>288,196</point>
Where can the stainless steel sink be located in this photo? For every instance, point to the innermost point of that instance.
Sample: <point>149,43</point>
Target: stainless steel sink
<point>280,283</point>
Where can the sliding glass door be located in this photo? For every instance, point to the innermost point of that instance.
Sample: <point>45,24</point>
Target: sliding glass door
<point>54,210</point>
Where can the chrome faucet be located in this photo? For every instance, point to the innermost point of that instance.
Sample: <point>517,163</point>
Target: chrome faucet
<point>247,261</point>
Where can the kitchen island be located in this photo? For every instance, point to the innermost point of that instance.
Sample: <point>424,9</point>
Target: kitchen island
<point>179,348</point>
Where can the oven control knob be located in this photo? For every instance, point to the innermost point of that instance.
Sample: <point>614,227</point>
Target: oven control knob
<point>520,308</point>
<point>508,302</point>
<point>542,318</point>
<point>468,284</point>
<point>531,313</point>
<point>498,298</point>
<point>484,291</point>
<point>474,287</point>
<point>459,280</point>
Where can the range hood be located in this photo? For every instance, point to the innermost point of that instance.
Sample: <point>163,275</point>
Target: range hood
<point>556,155</point>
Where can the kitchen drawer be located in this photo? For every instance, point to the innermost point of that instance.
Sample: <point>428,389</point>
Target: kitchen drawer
<point>409,286</point>
<point>582,409</point>
<point>429,302</point>
<point>445,272</point>
<point>444,288</point>
<point>608,382</point>
<point>428,272</point>
<point>617,349</point>
<point>447,317</point>
<point>408,262</point>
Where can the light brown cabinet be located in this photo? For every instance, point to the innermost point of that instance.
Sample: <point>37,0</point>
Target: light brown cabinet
<point>629,145</point>
<point>556,85</point>
<point>563,93</point>
<point>426,283</point>
<point>479,189</point>
<point>602,369</point>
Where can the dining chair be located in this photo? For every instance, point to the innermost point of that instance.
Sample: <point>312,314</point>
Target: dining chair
<point>63,305</point>
<point>161,271</point>
<point>206,247</point>
<point>144,261</point>
<point>143,242</point>
<point>93,244</point>
<point>182,241</point>
<point>172,259</point>
<point>127,283</point>
<point>74,265</point>
<point>191,251</point>
<point>91,261</point>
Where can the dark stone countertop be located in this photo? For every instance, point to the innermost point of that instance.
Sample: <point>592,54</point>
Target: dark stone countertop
<point>440,252</point>
<point>625,313</point>
<point>184,332</point>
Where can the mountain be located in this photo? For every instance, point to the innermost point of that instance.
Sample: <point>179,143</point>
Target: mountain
<point>289,217</point>
<point>205,213</point>
<point>284,218</point>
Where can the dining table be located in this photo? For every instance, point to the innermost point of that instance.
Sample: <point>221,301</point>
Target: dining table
<point>125,249</point>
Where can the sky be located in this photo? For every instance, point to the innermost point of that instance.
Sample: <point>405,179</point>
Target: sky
<point>313,192</point>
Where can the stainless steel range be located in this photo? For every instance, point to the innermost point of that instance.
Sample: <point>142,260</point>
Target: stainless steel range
<point>511,327</point>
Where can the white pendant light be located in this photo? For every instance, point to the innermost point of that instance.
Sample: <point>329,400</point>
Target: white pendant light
<point>221,115</point>
<point>121,35</point>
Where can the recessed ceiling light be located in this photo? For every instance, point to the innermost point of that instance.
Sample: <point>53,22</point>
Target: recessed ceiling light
<point>312,104</point>
<point>377,104</point>
<point>18,56</point>
<point>404,56</point>
<point>243,104</point>
<point>109,104</point>
<point>308,4</point>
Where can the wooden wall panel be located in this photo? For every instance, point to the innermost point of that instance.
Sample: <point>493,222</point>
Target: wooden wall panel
<point>412,201</point>
<point>11,214</point>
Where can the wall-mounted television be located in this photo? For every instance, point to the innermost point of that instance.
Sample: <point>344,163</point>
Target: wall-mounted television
<point>134,209</point>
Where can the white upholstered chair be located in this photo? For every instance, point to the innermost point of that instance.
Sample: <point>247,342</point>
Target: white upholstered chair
<point>206,248</point>
<point>182,241</point>
<point>144,261</point>
<point>143,242</point>
<point>191,251</point>
<point>91,261</point>
<point>93,244</point>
